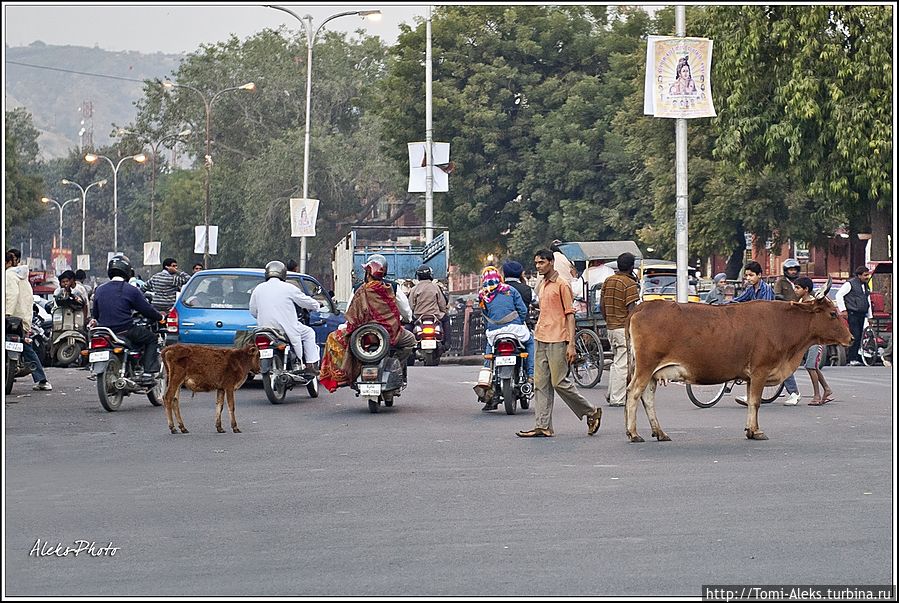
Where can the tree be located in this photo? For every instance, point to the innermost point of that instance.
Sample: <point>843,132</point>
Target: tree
<point>24,186</point>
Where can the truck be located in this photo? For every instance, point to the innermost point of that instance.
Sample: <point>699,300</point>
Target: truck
<point>404,255</point>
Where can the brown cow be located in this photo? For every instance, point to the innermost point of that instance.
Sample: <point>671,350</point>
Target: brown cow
<point>760,342</point>
<point>204,368</point>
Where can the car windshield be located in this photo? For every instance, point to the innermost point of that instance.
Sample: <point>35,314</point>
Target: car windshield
<point>226,291</point>
<point>658,284</point>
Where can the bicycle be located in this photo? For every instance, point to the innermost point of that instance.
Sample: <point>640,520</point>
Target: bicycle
<point>706,396</point>
<point>588,365</point>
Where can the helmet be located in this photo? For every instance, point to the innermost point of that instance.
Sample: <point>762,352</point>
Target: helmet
<point>376,266</point>
<point>119,265</point>
<point>788,264</point>
<point>423,273</point>
<point>512,269</point>
<point>276,268</point>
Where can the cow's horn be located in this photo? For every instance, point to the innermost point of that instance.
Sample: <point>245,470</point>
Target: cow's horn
<point>822,292</point>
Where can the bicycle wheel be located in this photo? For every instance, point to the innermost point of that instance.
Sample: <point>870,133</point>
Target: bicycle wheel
<point>588,365</point>
<point>705,396</point>
<point>771,393</point>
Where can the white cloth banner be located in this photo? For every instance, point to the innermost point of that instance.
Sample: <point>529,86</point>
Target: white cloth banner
<point>678,77</point>
<point>303,215</point>
<point>84,262</point>
<point>151,253</point>
<point>418,167</point>
<point>200,239</point>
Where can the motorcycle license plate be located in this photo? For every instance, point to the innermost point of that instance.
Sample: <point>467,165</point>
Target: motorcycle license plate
<point>505,360</point>
<point>98,356</point>
<point>429,344</point>
<point>266,353</point>
<point>370,389</point>
<point>15,346</point>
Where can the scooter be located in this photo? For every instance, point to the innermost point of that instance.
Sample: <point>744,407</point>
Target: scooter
<point>69,335</point>
<point>429,333</point>
<point>281,368</point>
<point>382,377</point>
<point>115,363</point>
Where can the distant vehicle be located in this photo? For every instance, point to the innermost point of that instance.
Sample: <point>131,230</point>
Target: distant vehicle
<point>351,252</point>
<point>658,280</point>
<point>215,304</point>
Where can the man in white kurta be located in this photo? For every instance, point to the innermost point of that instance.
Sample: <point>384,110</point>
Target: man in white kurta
<point>274,304</point>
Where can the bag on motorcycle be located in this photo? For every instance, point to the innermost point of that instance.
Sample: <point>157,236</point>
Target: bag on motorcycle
<point>243,338</point>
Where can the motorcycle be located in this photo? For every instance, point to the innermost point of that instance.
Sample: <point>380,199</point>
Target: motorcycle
<point>69,335</point>
<point>429,333</point>
<point>382,376</point>
<point>41,332</point>
<point>508,368</point>
<point>116,365</point>
<point>281,368</point>
<point>15,338</point>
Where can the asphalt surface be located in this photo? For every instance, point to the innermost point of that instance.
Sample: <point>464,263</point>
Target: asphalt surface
<point>435,498</point>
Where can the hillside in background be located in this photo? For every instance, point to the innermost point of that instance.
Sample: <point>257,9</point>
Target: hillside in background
<point>57,98</point>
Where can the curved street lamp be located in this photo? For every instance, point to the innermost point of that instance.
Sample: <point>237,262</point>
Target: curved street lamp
<point>48,200</point>
<point>207,103</point>
<point>139,158</point>
<point>84,190</point>
<point>310,41</point>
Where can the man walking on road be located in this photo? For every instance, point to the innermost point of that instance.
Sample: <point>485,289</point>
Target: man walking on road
<point>620,294</point>
<point>555,351</point>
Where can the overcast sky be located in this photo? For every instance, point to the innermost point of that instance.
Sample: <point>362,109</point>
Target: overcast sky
<point>169,28</point>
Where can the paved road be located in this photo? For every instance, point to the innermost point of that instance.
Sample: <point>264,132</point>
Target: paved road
<point>433,497</point>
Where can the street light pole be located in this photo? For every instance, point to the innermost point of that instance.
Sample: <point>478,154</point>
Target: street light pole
<point>310,42</point>
<point>83,190</point>
<point>139,158</point>
<point>155,147</point>
<point>48,200</point>
<point>207,103</point>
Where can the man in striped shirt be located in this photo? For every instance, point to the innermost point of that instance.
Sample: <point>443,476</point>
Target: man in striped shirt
<point>166,283</point>
<point>620,293</point>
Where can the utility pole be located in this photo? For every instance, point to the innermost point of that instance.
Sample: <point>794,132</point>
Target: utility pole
<point>429,138</point>
<point>681,215</point>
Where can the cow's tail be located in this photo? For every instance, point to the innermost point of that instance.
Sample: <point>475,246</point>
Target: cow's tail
<point>629,348</point>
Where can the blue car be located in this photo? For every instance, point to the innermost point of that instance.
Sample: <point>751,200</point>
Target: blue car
<point>215,304</point>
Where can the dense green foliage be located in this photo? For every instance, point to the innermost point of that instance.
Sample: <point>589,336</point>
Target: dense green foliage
<point>543,107</point>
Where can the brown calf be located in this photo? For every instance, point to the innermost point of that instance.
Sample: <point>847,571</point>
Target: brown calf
<point>204,368</point>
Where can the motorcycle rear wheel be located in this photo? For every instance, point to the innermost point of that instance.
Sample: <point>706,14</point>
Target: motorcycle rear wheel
<point>10,375</point>
<point>509,399</point>
<point>273,391</point>
<point>110,397</point>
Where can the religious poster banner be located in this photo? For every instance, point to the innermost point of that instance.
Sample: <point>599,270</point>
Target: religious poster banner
<point>418,167</point>
<point>303,214</point>
<point>151,253</point>
<point>200,239</point>
<point>84,262</point>
<point>678,77</point>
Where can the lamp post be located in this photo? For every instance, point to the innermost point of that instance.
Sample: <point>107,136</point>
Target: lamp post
<point>84,190</point>
<point>178,136</point>
<point>139,158</point>
<point>310,41</point>
<point>207,103</point>
<point>48,200</point>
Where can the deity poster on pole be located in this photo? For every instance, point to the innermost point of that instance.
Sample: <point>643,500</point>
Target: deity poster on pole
<point>678,77</point>
<point>303,215</point>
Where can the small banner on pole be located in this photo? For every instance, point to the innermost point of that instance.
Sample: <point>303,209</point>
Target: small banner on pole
<point>84,262</point>
<point>303,215</point>
<point>678,77</point>
<point>61,259</point>
<point>200,239</point>
<point>418,167</point>
<point>151,253</point>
